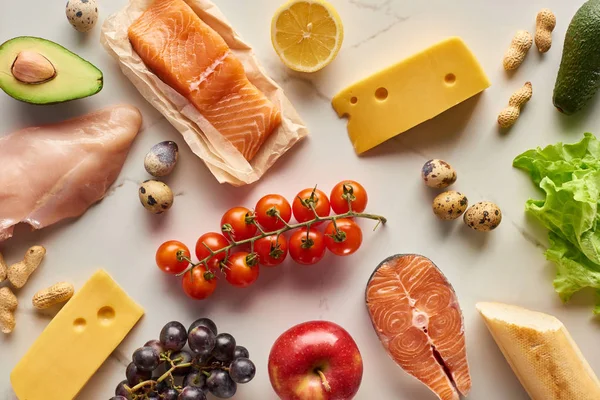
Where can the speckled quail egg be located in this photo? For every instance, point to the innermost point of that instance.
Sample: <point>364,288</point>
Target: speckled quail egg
<point>82,14</point>
<point>156,196</point>
<point>438,174</point>
<point>450,205</point>
<point>161,158</point>
<point>483,216</point>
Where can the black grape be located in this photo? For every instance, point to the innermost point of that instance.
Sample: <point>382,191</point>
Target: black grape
<point>185,358</point>
<point>195,379</point>
<point>156,345</point>
<point>220,384</point>
<point>135,376</point>
<point>146,359</point>
<point>224,347</point>
<point>163,386</point>
<point>152,396</point>
<point>204,322</point>
<point>240,351</point>
<point>192,393</point>
<point>118,398</point>
<point>169,394</point>
<point>201,340</point>
<point>201,360</point>
<point>121,391</point>
<point>173,336</point>
<point>242,370</point>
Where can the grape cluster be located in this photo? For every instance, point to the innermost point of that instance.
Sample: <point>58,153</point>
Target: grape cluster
<point>163,370</point>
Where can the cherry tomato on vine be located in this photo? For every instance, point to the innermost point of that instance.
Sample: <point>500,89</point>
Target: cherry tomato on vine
<point>215,241</point>
<point>305,249</point>
<point>346,240</point>
<point>306,198</point>
<point>348,190</point>
<point>239,221</point>
<point>199,283</point>
<point>271,250</point>
<point>167,257</point>
<point>267,207</point>
<point>242,269</point>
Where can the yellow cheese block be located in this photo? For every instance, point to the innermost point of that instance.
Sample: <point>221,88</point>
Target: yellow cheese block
<point>76,342</point>
<point>541,352</point>
<point>408,93</point>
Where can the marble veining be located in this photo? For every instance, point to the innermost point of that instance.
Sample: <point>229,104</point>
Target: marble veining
<point>508,265</point>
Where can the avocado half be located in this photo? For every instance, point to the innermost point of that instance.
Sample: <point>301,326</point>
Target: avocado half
<point>71,76</point>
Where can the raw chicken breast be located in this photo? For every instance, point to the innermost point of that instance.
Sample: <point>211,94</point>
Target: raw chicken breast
<point>58,171</point>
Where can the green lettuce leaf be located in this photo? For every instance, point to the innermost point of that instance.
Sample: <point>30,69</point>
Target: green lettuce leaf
<point>569,176</point>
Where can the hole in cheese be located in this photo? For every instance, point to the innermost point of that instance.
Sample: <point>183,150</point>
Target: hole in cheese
<point>106,315</point>
<point>381,93</point>
<point>79,324</point>
<point>353,100</point>
<point>450,79</point>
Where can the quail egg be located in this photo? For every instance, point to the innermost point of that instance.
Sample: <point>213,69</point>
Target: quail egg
<point>156,196</point>
<point>484,216</point>
<point>161,159</point>
<point>438,174</point>
<point>450,205</point>
<point>82,14</point>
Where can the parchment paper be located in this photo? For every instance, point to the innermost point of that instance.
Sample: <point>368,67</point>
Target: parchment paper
<point>224,161</point>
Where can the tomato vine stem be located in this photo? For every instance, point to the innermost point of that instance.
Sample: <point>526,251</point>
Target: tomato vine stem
<point>288,227</point>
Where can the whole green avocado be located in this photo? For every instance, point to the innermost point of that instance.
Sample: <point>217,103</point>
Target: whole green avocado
<point>579,74</point>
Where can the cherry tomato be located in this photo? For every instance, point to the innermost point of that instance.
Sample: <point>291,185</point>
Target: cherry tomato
<point>239,222</point>
<point>242,269</point>
<point>346,240</point>
<point>168,257</point>
<point>267,207</point>
<point>307,250</point>
<point>199,283</point>
<point>348,190</point>
<point>302,202</point>
<point>271,250</point>
<point>215,241</point>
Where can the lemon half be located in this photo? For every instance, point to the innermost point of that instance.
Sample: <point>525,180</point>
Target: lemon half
<point>307,34</point>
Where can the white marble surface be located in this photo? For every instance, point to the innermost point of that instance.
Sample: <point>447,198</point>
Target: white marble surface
<point>507,265</point>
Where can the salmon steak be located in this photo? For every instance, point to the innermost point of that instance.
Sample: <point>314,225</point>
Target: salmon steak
<point>416,315</point>
<point>52,172</point>
<point>193,59</point>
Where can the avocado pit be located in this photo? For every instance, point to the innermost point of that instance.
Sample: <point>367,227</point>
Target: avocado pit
<point>32,68</point>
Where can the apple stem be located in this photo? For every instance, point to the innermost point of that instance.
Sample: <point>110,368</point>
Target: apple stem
<point>324,380</point>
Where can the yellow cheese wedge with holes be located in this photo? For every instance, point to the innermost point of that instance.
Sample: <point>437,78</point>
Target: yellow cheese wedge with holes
<point>541,352</point>
<point>76,342</point>
<point>409,93</point>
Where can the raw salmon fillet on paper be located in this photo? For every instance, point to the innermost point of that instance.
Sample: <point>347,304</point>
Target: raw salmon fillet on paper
<point>188,55</point>
<point>416,315</point>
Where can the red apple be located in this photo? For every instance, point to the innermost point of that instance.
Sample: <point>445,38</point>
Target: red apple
<point>316,360</point>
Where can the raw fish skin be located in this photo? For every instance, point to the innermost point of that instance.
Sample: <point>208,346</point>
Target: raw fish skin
<point>189,56</point>
<point>416,315</point>
<point>49,173</point>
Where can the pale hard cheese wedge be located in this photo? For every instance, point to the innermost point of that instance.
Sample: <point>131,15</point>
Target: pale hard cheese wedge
<point>76,342</point>
<point>408,93</point>
<point>541,352</point>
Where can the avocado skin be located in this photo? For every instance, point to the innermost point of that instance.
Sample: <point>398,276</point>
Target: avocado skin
<point>579,74</point>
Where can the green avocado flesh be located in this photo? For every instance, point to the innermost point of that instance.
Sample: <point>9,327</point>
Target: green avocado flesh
<point>74,78</point>
<point>579,74</point>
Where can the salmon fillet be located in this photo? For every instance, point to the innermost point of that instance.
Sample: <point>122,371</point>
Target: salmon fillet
<point>416,315</point>
<point>188,55</point>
